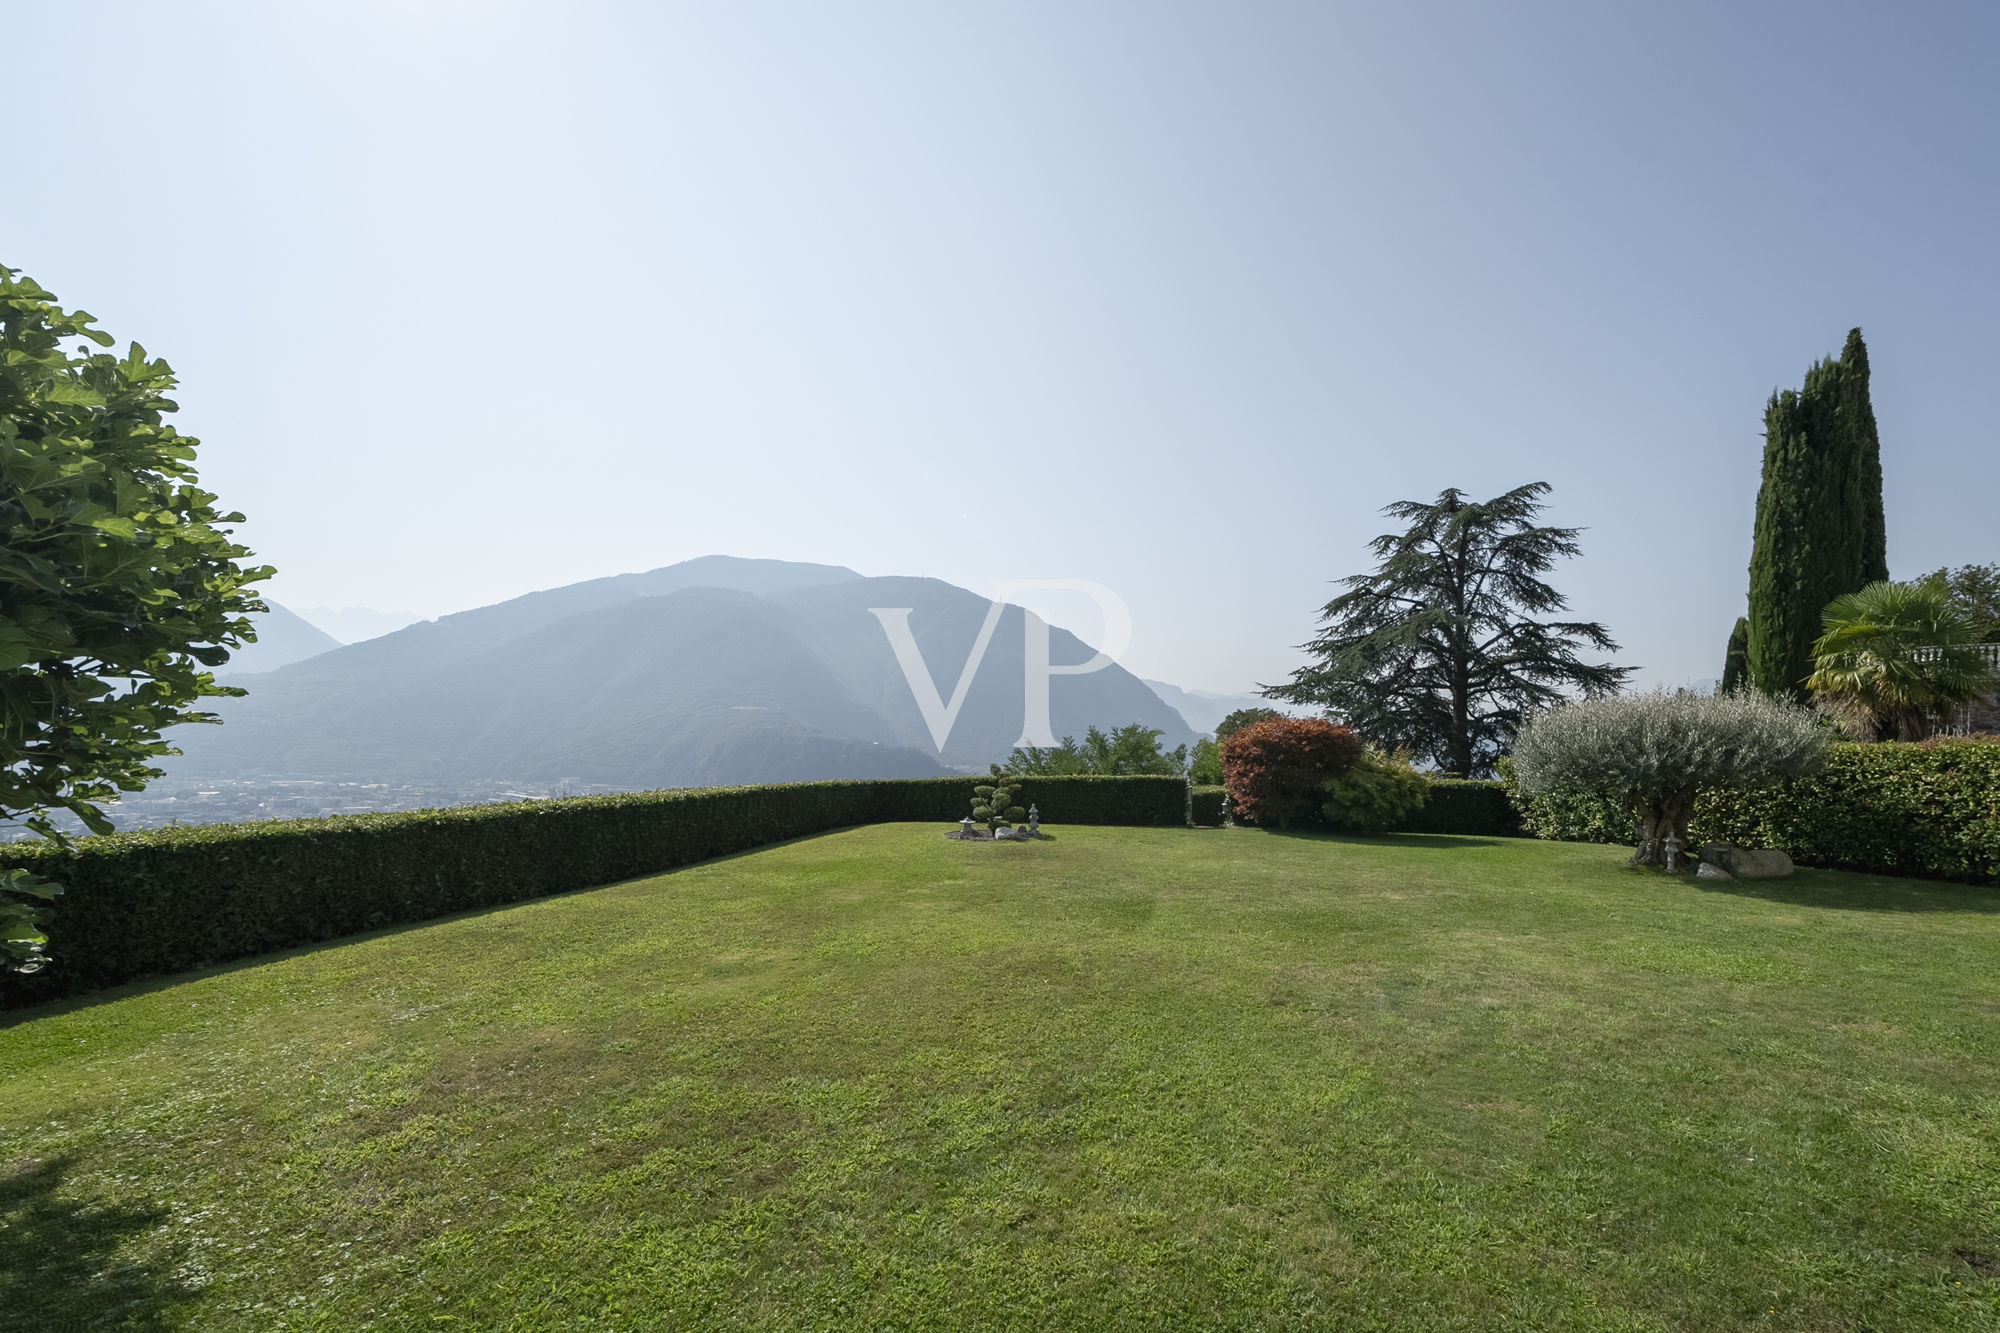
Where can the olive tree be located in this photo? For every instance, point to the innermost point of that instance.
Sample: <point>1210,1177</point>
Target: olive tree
<point>118,587</point>
<point>1658,751</point>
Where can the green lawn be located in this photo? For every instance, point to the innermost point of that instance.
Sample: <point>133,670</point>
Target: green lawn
<point>1125,1078</point>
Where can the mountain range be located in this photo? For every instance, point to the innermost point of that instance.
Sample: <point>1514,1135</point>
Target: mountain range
<point>714,671</point>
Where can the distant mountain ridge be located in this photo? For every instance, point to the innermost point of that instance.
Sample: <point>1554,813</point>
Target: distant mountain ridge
<point>711,672</point>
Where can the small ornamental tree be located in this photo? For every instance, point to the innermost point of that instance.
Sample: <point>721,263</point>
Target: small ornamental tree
<point>1657,751</point>
<point>1274,769</point>
<point>993,804</point>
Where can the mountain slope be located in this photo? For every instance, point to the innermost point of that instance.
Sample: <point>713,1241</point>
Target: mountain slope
<point>283,637</point>
<point>669,678</point>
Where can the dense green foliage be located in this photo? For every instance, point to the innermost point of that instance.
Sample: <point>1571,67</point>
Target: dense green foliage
<point>1820,530</point>
<point>1211,804</point>
<point>1894,653</point>
<point>172,899</point>
<point>1929,810</point>
<point>1241,718</point>
<point>1205,762</point>
<point>1975,592</point>
<point>1469,807</point>
<point>1736,662</point>
<point>1659,751</point>
<point>1122,1080</point>
<point>1573,816</point>
<point>1274,769</point>
<point>1380,792</point>
<point>994,805</point>
<point>1127,751</point>
<point>118,587</point>
<point>1439,651</point>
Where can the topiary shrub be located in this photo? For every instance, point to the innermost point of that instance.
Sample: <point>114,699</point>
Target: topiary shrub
<point>1658,752</point>
<point>993,803</point>
<point>1274,769</point>
<point>1379,793</point>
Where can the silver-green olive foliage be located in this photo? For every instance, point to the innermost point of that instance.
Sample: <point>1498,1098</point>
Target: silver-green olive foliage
<point>1659,750</point>
<point>118,589</point>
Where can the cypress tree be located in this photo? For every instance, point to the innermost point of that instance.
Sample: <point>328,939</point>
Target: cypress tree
<point>1736,666</point>
<point>1820,531</point>
<point>1857,422</point>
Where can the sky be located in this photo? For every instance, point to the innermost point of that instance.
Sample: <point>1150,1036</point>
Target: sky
<point>469,299</point>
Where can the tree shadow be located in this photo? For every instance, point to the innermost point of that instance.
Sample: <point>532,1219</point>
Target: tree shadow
<point>1844,891</point>
<point>58,1258</point>
<point>1414,841</point>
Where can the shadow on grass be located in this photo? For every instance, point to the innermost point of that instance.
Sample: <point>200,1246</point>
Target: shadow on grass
<point>1847,892</point>
<point>1415,841</point>
<point>57,1258</point>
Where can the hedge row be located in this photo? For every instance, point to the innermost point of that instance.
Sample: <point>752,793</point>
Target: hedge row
<point>1481,809</point>
<point>1930,810</point>
<point>143,904</point>
<point>1454,805</point>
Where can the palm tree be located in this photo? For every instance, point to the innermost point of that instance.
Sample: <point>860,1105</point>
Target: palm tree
<point>1893,653</point>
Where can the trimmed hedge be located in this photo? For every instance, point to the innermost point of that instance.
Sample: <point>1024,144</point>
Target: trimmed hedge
<point>1455,805</point>
<point>1209,804</point>
<point>167,900</point>
<point>1929,810</point>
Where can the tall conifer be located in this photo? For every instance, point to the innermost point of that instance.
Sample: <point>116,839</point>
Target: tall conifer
<point>1736,665</point>
<point>1820,531</point>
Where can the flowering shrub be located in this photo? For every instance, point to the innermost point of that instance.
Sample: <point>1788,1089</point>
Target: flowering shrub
<point>1274,769</point>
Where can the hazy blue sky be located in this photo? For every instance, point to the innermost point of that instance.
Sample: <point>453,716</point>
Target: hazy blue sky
<point>470,299</point>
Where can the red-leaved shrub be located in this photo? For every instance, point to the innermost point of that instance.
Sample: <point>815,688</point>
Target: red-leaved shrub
<point>1273,768</point>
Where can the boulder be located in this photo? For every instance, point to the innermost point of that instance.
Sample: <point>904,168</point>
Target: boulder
<point>1746,862</point>
<point>1710,870</point>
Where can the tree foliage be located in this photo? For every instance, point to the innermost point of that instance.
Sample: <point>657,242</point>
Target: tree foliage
<point>1820,530</point>
<point>1892,654</point>
<point>1125,752</point>
<point>1378,793</point>
<point>118,587</point>
<point>1736,662</point>
<point>1658,751</point>
<point>1439,651</point>
<point>1975,594</point>
<point>1274,769</point>
<point>1241,718</point>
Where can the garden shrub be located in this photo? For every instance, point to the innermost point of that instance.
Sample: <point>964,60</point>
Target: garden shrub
<point>1570,816</point>
<point>1659,751</point>
<point>993,804</point>
<point>1927,809</point>
<point>1380,792</point>
<point>1274,768</point>
<point>166,900</point>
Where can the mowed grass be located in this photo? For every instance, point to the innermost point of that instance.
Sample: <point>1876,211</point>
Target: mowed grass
<point>1122,1079</point>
